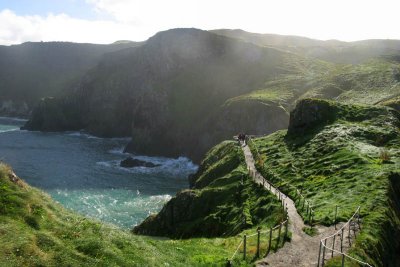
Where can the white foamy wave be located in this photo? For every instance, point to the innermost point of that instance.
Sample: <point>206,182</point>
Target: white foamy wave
<point>13,119</point>
<point>118,151</point>
<point>8,130</point>
<point>89,136</point>
<point>82,134</point>
<point>120,206</point>
<point>160,198</point>
<point>109,164</point>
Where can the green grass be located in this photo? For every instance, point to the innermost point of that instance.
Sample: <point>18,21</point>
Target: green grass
<point>339,162</point>
<point>36,231</point>
<point>224,201</point>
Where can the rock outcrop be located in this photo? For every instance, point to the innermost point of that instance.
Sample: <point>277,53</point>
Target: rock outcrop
<point>131,162</point>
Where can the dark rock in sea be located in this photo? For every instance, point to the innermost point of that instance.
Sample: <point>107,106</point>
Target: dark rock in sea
<point>131,162</point>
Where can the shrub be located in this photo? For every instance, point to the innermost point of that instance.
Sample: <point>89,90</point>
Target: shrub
<point>384,155</point>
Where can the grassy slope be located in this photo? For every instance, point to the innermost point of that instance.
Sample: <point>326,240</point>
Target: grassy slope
<point>343,161</point>
<point>36,231</point>
<point>223,201</point>
<point>368,83</point>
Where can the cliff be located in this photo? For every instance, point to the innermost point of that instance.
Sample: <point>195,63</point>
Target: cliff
<point>223,201</point>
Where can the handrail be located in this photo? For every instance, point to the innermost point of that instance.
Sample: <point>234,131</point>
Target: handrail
<point>261,232</point>
<point>340,233</point>
<point>297,190</point>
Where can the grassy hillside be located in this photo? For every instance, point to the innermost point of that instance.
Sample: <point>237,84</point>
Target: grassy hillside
<point>345,155</point>
<point>36,231</point>
<point>223,201</point>
<point>330,50</point>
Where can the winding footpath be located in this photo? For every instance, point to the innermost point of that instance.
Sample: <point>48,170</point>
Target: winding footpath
<point>302,250</point>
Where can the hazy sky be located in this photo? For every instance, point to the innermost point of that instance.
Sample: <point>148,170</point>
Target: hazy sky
<point>105,21</point>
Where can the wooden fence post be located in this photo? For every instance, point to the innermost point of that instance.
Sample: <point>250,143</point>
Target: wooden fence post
<point>279,236</point>
<point>342,260</point>
<point>270,240</point>
<point>349,236</point>
<point>244,247</point>
<point>335,216</point>
<point>258,243</point>
<point>323,254</point>
<point>341,240</point>
<point>319,253</point>
<point>358,218</point>
<point>286,228</point>
<point>228,263</point>
<point>333,245</point>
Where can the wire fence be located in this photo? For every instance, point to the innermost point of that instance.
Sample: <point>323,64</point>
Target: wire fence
<point>335,244</point>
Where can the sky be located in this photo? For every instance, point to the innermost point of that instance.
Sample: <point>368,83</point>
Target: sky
<point>106,21</point>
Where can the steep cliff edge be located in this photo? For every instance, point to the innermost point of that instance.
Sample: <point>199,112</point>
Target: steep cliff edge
<point>223,201</point>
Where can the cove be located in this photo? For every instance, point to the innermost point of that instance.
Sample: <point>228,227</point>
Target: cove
<point>82,173</point>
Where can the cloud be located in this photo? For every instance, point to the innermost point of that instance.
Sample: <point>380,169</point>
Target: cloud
<point>328,19</point>
<point>139,19</point>
<point>61,27</point>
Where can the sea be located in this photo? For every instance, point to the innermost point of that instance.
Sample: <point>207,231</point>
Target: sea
<point>82,173</point>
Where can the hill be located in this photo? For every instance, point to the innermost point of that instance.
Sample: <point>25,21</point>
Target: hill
<point>165,93</point>
<point>34,70</point>
<point>344,155</point>
<point>330,50</point>
<point>185,90</point>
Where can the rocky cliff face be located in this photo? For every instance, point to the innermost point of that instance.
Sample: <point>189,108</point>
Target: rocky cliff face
<point>168,93</point>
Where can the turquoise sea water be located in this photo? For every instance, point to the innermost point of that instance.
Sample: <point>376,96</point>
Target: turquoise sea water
<point>82,173</point>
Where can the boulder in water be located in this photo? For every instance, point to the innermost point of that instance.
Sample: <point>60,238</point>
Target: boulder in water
<point>131,162</point>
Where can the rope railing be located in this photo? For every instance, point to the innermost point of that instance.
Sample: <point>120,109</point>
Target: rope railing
<point>259,179</point>
<point>306,203</point>
<point>245,243</point>
<point>352,222</point>
<point>341,233</point>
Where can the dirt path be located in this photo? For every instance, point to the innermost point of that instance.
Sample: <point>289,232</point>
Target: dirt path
<point>303,249</point>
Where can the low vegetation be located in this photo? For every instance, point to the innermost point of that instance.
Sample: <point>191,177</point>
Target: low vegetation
<point>348,159</point>
<point>36,231</point>
<point>223,201</point>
